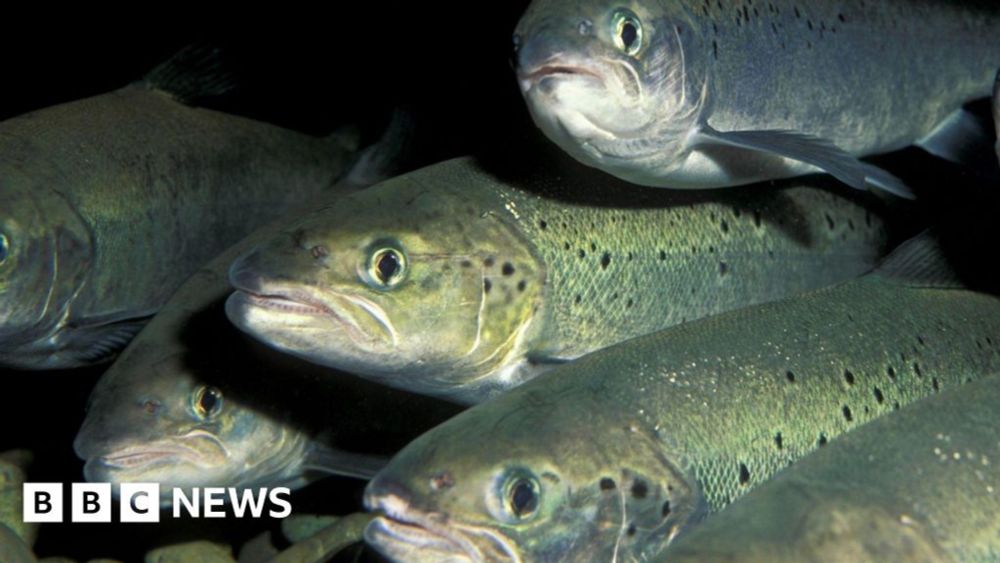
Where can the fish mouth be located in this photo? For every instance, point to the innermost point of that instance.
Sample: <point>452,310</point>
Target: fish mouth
<point>554,70</point>
<point>341,308</point>
<point>402,530</point>
<point>198,448</point>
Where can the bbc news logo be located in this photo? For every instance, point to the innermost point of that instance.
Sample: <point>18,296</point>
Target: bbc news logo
<point>140,502</point>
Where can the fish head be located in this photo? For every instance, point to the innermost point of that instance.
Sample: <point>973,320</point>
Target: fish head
<point>502,482</point>
<point>409,284</point>
<point>158,423</point>
<point>46,250</point>
<point>611,84</point>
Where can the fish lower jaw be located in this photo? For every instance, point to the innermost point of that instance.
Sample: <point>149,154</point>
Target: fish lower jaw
<point>283,304</point>
<point>413,542</point>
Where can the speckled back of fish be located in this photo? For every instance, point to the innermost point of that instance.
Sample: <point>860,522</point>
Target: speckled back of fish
<point>620,451</point>
<point>615,271</point>
<point>869,76</point>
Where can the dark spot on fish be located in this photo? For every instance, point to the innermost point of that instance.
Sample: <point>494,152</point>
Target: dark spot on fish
<point>822,439</point>
<point>744,474</point>
<point>487,285</point>
<point>319,251</point>
<point>891,372</point>
<point>607,484</point>
<point>848,377</point>
<point>920,340</point>
<point>582,254</point>
<point>663,255</point>
<point>507,269</point>
<point>934,383</point>
<point>639,489</point>
<point>665,511</point>
<point>724,226</point>
<point>850,224</point>
<point>895,405</point>
<point>577,299</point>
<point>489,261</point>
<point>521,285</point>
<point>829,221</point>
<point>629,303</point>
<point>790,376</point>
<point>916,369</point>
<point>847,413</point>
<point>631,530</point>
<point>593,247</point>
<point>879,397</point>
<point>565,246</point>
<point>797,14</point>
<point>778,441</point>
<point>756,218</point>
<point>715,49</point>
<point>443,480</point>
<point>542,224</point>
<point>723,268</point>
<point>629,256</point>
<point>841,18</point>
<point>614,296</point>
<point>810,24</point>
<point>605,260</point>
<point>466,264</point>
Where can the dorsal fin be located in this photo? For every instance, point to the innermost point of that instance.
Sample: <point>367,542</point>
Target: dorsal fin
<point>193,73</point>
<point>921,262</point>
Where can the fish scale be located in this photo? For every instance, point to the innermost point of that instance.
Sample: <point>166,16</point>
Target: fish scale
<point>699,414</point>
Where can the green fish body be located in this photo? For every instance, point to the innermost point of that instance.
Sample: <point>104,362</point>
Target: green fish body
<point>461,283</point>
<point>111,202</point>
<point>713,94</point>
<point>920,485</point>
<point>615,454</point>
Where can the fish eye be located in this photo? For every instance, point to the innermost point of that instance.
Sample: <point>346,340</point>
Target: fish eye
<point>627,31</point>
<point>386,267</point>
<point>521,496</point>
<point>207,401</point>
<point>4,248</point>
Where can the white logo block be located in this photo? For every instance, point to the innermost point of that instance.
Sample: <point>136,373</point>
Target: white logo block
<point>91,502</point>
<point>42,502</point>
<point>140,502</point>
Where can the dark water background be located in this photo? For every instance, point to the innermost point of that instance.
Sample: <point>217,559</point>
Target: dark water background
<point>448,61</point>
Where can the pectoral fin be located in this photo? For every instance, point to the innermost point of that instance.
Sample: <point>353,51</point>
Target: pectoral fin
<point>810,150</point>
<point>964,137</point>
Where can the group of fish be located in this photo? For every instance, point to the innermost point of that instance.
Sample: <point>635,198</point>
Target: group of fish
<point>656,370</point>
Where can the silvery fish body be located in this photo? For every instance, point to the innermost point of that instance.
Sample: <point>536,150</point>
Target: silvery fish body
<point>920,485</point>
<point>711,94</point>
<point>111,202</point>
<point>459,282</point>
<point>615,454</point>
<point>173,411</point>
